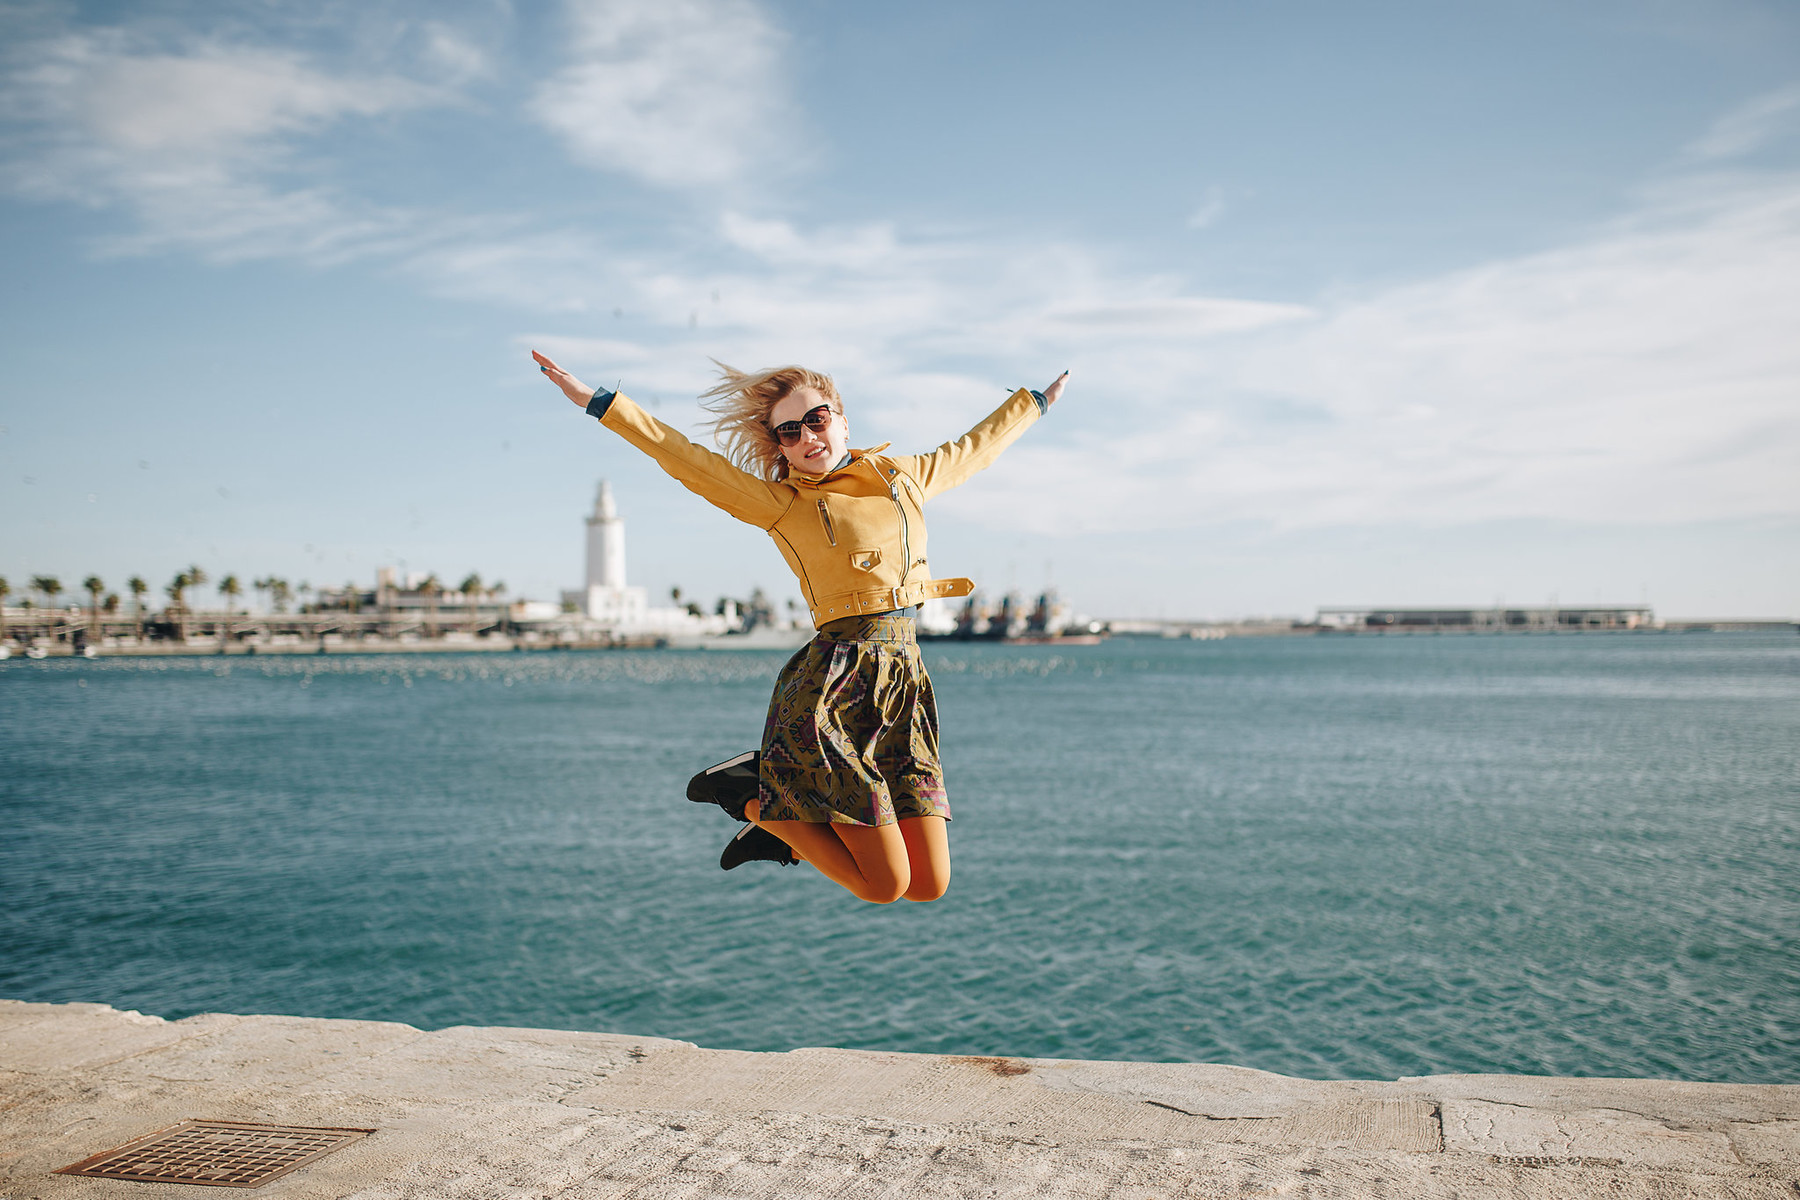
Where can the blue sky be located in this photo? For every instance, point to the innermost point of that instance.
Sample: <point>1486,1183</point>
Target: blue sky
<point>1376,303</point>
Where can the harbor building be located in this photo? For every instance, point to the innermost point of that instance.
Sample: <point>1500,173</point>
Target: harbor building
<point>1550,619</point>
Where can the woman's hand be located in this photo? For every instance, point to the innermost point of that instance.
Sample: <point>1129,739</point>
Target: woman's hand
<point>572,387</point>
<point>1055,389</point>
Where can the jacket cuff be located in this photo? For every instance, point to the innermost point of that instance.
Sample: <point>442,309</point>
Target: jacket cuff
<point>1043,404</point>
<point>602,401</point>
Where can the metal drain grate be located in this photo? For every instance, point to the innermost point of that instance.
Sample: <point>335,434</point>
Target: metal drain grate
<point>217,1153</point>
<point>1545,1160</point>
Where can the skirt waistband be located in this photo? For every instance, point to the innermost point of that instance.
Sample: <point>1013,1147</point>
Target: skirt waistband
<point>897,626</point>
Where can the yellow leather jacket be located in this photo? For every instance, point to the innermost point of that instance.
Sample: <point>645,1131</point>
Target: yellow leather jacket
<point>855,536</point>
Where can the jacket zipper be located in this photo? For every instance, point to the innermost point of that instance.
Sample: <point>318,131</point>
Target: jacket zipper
<point>825,520</point>
<point>905,542</point>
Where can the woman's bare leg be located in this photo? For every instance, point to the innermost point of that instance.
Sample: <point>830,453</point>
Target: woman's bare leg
<point>869,862</point>
<point>928,855</point>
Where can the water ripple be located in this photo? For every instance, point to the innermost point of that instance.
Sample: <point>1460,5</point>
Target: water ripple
<point>1327,857</point>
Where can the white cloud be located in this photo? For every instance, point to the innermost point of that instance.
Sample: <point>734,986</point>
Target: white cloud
<point>195,111</point>
<point>215,100</point>
<point>190,144</point>
<point>1212,207</point>
<point>1749,126</point>
<point>1173,317</point>
<point>680,93</point>
<point>459,59</point>
<point>1648,375</point>
<point>923,333</point>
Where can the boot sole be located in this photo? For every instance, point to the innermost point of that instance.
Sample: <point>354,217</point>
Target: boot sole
<point>704,789</point>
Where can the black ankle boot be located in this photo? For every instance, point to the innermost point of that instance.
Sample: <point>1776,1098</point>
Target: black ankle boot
<point>755,844</point>
<point>730,785</point>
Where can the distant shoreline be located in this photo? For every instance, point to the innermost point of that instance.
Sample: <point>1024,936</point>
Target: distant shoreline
<point>1135,630</point>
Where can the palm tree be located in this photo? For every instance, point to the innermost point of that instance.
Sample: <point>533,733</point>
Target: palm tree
<point>431,587</point>
<point>280,591</point>
<point>231,589</point>
<point>497,591</point>
<point>471,591</point>
<point>5,591</point>
<point>178,601</point>
<point>195,577</point>
<point>50,586</point>
<point>262,590</point>
<point>94,587</point>
<point>138,588</point>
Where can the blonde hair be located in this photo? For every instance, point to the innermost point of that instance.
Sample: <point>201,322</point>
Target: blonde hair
<point>743,402</point>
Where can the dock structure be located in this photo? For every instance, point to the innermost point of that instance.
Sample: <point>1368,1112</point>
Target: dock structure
<point>491,1112</point>
<point>375,619</point>
<point>1548,619</point>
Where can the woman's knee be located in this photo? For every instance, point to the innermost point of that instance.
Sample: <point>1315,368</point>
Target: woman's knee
<point>881,884</point>
<point>882,892</point>
<point>930,880</point>
<point>923,891</point>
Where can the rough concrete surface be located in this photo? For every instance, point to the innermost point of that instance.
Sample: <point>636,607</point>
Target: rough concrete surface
<point>533,1113</point>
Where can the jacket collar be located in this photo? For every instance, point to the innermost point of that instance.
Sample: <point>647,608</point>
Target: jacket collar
<point>856,456</point>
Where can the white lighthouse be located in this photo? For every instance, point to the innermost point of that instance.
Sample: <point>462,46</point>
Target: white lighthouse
<point>606,597</point>
<point>605,542</point>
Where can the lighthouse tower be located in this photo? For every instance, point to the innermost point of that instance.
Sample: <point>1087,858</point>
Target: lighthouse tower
<point>606,598</point>
<point>605,542</point>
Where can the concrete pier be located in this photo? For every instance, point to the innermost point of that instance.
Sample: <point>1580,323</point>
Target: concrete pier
<point>492,1112</point>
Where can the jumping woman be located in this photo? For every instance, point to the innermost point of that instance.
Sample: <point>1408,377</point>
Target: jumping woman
<point>848,777</point>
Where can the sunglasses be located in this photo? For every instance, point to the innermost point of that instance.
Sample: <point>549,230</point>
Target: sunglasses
<point>818,420</point>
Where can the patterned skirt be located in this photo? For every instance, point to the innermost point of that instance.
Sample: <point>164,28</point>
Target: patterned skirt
<point>852,734</point>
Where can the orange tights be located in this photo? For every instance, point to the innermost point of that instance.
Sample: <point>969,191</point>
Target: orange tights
<point>880,863</point>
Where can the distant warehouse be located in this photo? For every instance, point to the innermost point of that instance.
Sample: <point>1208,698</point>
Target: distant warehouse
<point>1486,620</point>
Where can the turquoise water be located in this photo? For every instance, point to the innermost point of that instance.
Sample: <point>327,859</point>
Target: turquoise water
<point>1325,857</point>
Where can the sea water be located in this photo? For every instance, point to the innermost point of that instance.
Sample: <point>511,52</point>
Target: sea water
<point>1328,857</point>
